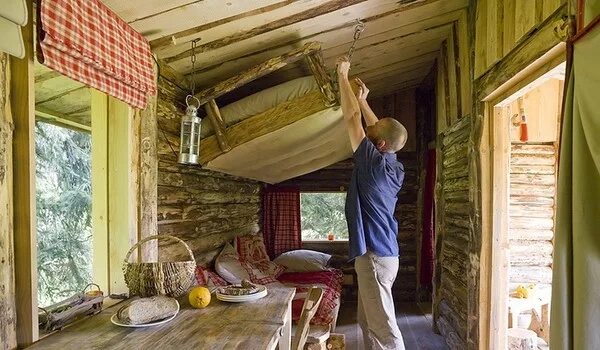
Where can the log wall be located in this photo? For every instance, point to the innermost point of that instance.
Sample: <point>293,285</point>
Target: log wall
<point>531,212</point>
<point>8,339</point>
<point>453,232</point>
<point>202,207</point>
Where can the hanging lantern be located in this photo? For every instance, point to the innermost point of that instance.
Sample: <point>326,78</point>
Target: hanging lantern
<point>189,143</point>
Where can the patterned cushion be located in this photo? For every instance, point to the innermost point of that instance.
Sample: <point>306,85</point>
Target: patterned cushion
<point>252,252</point>
<point>251,248</point>
<point>207,277</point>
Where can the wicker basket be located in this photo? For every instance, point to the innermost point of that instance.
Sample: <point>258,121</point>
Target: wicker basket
<point>172,278</point>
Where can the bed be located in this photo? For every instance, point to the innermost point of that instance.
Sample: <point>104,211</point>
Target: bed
<point>279,133</point>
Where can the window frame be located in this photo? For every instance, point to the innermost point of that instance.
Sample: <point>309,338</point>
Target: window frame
<point>320,241</point>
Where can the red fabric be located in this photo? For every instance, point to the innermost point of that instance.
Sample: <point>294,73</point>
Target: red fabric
<point>330,281</point>
<point>252,254</point>
<point>207,277</point>
<point>281,220</point>
<point>86,41</point>
<point>428,240</point>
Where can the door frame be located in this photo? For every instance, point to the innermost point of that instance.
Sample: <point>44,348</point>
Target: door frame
<point>495,166</point>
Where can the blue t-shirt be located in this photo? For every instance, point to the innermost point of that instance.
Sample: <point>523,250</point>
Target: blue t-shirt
<point>371,201</point>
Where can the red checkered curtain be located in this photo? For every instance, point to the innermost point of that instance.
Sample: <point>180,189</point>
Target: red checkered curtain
<point>281,220</point>
<point>86,41</point>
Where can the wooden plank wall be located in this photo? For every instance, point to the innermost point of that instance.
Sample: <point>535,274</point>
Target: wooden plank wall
<point>8,338</point>
<point>531,212</point>
<point>502,24</point>
<point>453,83</point>
<point>453,226</point>
<point>202,207</point>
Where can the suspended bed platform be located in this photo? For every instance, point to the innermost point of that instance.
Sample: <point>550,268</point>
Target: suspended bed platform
<point>278,133</point>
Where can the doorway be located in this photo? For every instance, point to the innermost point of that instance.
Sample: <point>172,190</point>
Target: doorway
<point>525,134</point>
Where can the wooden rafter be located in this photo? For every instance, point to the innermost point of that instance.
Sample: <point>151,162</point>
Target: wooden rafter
<point>327,7</point>
<point>261,124</point>
<point>168,40</point>
<point>333,47</point>
<point>317,67</point>
<point>256,72</point>
<point>214,115</point>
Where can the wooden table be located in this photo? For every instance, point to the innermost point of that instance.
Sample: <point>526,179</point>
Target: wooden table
<point>262,324</point>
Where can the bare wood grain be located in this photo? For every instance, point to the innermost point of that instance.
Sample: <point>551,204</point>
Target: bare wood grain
<point>8,324</point>
<point>256,72</point>
<point>214,115</point>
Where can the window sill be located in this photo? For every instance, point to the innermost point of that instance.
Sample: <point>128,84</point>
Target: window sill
<point>324,241</point>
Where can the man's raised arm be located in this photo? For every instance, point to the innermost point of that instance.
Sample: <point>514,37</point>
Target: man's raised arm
<point>350,106</point>
<point>361,96</point>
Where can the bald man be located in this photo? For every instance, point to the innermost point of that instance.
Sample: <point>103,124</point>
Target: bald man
<point>370,204</point>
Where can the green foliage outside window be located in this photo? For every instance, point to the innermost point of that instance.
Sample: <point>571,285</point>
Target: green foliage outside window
<point>322,213</point>
<point>64,205</point>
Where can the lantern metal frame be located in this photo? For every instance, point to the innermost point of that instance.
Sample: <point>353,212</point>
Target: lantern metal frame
<point>191,124</point>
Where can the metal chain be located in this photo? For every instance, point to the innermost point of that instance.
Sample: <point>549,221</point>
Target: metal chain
<point>360,27</point>
<point>194,66</point>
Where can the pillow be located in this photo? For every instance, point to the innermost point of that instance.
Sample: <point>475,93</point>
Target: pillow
<point>209,278</point>
<point>251,248</point>
<point>229,267</point>
<point>303,260</point>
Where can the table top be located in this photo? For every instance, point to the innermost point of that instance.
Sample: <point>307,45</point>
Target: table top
<point>221,325</point>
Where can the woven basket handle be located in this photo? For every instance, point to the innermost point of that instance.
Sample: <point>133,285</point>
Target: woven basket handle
<point>138,244</point>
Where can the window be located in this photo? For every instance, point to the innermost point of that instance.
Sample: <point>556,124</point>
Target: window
<point>323,214</point>
<point>64,211</point>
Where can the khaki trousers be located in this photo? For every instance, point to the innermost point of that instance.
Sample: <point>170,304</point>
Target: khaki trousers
<point>376,314</point>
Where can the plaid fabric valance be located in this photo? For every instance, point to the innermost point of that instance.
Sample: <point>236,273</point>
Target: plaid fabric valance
<point>86,41</point>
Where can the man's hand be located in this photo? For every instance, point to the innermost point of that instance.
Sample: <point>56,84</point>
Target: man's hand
<point>363,90</point>
<point>342,66</point>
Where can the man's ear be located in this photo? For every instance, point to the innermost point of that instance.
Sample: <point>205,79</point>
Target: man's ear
<point>381,145</point>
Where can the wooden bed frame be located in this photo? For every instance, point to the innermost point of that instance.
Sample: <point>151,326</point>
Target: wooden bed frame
<point>286,113</point>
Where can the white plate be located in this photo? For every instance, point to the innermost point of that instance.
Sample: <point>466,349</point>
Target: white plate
<point>262,292</point>
<point>115,320</point>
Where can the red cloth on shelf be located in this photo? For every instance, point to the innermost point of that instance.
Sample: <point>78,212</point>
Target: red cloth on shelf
<point>428,240</point>
<point>86,41</point>
<point>281,220</point>
<point>330,281</point>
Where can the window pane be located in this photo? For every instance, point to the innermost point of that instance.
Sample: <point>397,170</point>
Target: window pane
<point>63,199</point>
<point>322,213</point>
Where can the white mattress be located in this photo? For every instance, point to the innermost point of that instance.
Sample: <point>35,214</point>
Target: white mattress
<point>261,101</point>
<point>309,144</point>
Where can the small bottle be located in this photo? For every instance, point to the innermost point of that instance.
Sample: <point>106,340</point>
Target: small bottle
<point>330,236</point>
<point>524,134</point>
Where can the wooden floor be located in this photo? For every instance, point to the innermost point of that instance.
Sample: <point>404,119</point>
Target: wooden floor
<point>414,320</point>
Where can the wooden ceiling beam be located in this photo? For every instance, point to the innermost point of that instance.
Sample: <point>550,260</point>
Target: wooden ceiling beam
<point>210,74</point>
<point>191,32</point>
<point>62,94</point>
<point>327,7</point>
<point>40,78</point>
<point>329,30</point>
<point>255,72</point>
<point>56,118</point>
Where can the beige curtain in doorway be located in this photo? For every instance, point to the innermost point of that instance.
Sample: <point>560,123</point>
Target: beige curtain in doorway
<point>575,316</point>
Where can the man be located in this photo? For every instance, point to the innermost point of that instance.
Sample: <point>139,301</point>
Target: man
<point>370,204</point>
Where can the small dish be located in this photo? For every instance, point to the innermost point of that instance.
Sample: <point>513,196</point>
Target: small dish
<point>116,321</point>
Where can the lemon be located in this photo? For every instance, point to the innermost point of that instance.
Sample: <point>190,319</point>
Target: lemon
<point>199,297</point>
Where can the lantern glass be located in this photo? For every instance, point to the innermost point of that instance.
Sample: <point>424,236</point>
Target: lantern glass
<point>189,148</point>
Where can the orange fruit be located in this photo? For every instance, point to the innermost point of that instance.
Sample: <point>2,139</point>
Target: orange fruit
<point>199,297</point>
